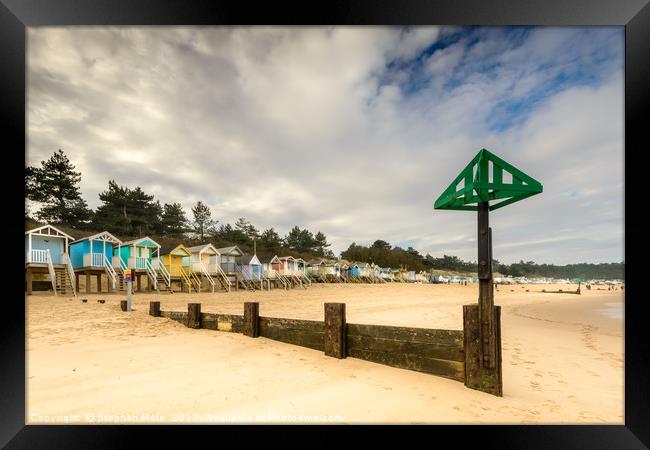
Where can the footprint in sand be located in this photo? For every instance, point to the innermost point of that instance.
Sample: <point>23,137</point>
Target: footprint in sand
<point>539,374</point>
<point>554,374</point>
<point>535,385</point>
<point>562,382</point>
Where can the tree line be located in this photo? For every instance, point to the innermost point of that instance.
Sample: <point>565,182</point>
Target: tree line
<point>132,213</point>
<point>384,255</point>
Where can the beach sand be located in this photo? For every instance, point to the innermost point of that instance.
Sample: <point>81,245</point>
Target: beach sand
<point>563,360</point>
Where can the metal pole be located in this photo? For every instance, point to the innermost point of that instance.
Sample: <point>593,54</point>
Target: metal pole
<point>128,295</point>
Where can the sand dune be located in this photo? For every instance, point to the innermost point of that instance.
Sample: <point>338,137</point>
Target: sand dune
<point>563,360</point>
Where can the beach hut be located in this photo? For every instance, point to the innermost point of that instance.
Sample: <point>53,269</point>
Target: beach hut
<point>300,266</point>
<point>332,268</point>
<point>314,265</point>
<point>270,264</point>
<point>93,256</point>
<point>230,258</point>
<point>137,255</point>
<point>288,265</point>
<point>205,261</point>
<point>46,252</point>
<point>353,270</point>
<point>271,270</point>
<point>175,261</point>
<point>251,269</point>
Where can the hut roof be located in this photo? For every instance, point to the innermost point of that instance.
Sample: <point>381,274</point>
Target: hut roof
<point>234,250</point>
<point>268,259</point>
<point>145,241</point>
<point>103,236</point>
<point>203,248</point>
<point>49,230</point>
<point>179,250</point>
<point>249,259</point>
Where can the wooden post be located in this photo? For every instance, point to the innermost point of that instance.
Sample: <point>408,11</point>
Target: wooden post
<point>139,281</point>
<point>486,288</point>
<point>154,309</point>
<point>99,283</point>
<point>194,315</point>
<point>477,376</point>
<point>335,328</point>
<point>251,319</point>
<point>30,280</point>
<point>87,283</point>
<point>76,282</point>
<point>123,305</point>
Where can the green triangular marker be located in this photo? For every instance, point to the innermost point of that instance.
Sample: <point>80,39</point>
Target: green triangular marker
<point>478,187</point>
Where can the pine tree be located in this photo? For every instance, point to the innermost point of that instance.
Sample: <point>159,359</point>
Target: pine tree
<point>247,229</point>
<point>270,240</point>
<point>174,222</point>
<point>203,223</point>
<point>145,213</point>
<point>55,184</point>
<point>111,215</point>
<point>320,244</point>
<point>129,212</point>
<point>292,239</point>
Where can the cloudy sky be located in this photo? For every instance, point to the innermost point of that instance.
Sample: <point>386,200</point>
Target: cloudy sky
<point>353,131</point>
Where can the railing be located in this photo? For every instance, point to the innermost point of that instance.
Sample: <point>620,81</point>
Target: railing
<point>187,279</point>
<point>97,259</point>
<point>165,273</point>
<point>50,268</point>
<point>109,270</point>
<point>205,272</point>
<point>123,265</point>
<point>150,271</point>
<point>141,263</point>
<point>38,256</point>
<point>70,269</point>
<point>224,277</point>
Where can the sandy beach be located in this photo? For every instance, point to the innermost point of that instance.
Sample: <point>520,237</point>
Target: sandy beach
<point>563,360</point>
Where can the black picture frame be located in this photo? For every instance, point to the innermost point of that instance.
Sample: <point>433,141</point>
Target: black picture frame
<point>16,15</point>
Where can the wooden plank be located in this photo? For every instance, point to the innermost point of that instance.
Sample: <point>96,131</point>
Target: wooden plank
<point>230,322</point>
<point>123,305</point>
<point>154,309</point>
<point>194,315</point>
<point>303,338</point>
<point>293,324</point>
<point>453,352</point>
<point>446,337</point>
<point>251,319</point>
<point>410,361</point>
<point>209,321</point>
<point>178,316</point>
<point>335,330</point>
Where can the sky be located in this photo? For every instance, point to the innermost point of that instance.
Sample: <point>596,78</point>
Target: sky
<point>352,131</point>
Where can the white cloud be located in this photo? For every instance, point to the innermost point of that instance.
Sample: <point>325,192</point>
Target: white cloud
<point>310,126</point>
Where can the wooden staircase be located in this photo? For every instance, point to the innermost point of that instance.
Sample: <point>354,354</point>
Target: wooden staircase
<point>246,283</point>
<point>161,283</point>
<point>63,282</point>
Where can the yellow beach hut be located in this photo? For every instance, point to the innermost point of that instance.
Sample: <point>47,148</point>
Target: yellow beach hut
<point>176,261</point>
